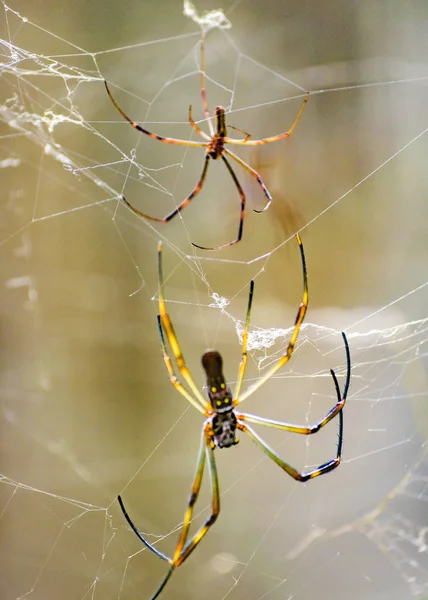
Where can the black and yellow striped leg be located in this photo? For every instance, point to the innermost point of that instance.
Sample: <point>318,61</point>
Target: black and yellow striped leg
<point>196,487</point>
<point>172,376</point>
<point>183,549</point>
<point>301,312</point>
<point>244,358</point>
<point>309,429</point>
<point>337,409</point>
<point>168,328</point>
<point>297,475</point>
<point>215,506</point>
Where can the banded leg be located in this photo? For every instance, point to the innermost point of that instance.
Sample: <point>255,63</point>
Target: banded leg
<point>183,549</point>
<point>255,174</point>
<point>310,429</point>
<point>180,207</point>
<point>242,215</point>
<point>337,409</point>
<point>244,358</point>
<point>274,138</point>
<point>172,376</point>
<point>297,475</point>
<point>196,126</point>
<point>196,486</point>
<point>247,135</point>
<point>204,90</point>
<point>215,508</point>
<point>298,322</point>
<point>155,136</point>
<point>173,341</point>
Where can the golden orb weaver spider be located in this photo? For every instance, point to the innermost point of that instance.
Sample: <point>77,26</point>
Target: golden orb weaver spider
<point>215,149</point>
<point>222,420</point>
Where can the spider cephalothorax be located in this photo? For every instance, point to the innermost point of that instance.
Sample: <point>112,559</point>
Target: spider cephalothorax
<point>222,420</point>
<point>223,427</point>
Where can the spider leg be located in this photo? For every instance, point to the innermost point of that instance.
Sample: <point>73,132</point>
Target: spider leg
<point>164,582</point>
<point>138,534</point>
<point>309,429</point>
<point>183,550</point>
<point>337,409</point>
<point>254,173</point>
<point>173,341</point>
<point>196,127</point>
<point>196,487</point>
<point>172,377</point>
<point>301,312</point>
<point>297,475</point>
<point>155,136</point>
<point>244,359</point>
<point>203,89</point>
<point>247,135</point>
<point>241,221</point>
<point>274,138</point>
<point>180,207</point>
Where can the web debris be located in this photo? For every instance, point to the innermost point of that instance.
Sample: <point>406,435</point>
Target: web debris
<point>213,19</point>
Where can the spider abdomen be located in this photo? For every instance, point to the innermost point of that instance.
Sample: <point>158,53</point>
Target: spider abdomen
<point>219,392</point>
<point>224,429</point>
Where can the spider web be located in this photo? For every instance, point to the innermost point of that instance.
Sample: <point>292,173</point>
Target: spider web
<point>87,411</point>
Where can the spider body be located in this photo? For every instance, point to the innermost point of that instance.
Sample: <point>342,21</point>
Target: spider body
<point>215,148</point>
<point>222,420</point>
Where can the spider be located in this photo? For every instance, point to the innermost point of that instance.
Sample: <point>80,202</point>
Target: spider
<point>223,420</point>
<point>215,148</point>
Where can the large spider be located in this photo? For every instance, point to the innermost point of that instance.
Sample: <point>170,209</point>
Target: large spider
<point>215,149</point>
<point>223,420</point>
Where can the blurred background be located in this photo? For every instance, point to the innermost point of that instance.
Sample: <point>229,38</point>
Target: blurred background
<point>87,411</point>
